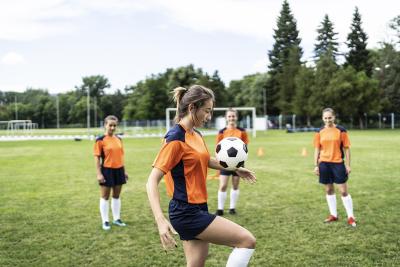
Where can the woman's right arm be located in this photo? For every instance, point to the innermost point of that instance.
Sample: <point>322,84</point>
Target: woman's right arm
<point>316,158</point>
<point>164,226</point>
<point>99,174</point>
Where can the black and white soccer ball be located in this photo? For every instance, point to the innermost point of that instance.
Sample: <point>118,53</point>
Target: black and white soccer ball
<point>231,153</point>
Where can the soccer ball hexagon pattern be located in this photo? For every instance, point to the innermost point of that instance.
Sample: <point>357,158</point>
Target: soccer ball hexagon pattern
<point>231,153</point>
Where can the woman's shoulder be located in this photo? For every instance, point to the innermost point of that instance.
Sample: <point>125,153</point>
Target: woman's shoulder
<point>177,132</point>
<point>341,128</point>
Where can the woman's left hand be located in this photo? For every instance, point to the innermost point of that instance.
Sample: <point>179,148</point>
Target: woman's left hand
<point>348,169</point>
<point>126,176</point>
<point>246,175</point>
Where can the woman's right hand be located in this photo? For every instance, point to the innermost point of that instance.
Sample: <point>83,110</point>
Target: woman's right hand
<point>316,170</point>
<point>165,229</point>
<point>100,178</point>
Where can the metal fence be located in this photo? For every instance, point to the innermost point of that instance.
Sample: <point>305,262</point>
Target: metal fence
<point>368,121</point>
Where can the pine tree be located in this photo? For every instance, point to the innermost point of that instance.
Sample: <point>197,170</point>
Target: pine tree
<point>326,39</point>
<point>286,50</point>
<point>358,57</point>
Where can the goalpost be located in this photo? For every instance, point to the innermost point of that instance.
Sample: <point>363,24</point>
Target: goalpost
<point>250,125</point>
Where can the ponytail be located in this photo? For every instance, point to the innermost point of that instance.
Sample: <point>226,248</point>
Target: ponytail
<point>195,95</point>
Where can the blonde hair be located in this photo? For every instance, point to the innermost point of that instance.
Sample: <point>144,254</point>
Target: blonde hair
<point>196,95</point>
<point>328,110</point>
<point>231,110</point>
<point>110,118</point>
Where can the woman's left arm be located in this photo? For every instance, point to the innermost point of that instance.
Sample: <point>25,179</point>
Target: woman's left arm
<point>242,172</point>
<point>347,160</point>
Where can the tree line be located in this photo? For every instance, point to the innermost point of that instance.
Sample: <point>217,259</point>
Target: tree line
<point>357,82</point>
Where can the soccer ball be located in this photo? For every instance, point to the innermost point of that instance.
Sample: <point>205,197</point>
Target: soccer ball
<point>231,153</point>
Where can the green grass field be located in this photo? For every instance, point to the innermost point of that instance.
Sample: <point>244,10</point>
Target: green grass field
<point>49,206</point>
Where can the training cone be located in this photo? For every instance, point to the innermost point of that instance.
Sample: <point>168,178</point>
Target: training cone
<point>260,152</point>
<point>304,152</point>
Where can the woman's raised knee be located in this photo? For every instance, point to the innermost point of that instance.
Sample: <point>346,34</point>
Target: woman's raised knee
<point>248,241</point>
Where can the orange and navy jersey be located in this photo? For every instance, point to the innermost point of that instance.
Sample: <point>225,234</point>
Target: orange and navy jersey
<point>331,141</point>
<point>184,159</point>
<point>235,132</point>
<point>111,151</point>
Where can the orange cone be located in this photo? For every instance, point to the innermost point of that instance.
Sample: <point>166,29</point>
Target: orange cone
<point>260,152</point>
<point>304,152</point>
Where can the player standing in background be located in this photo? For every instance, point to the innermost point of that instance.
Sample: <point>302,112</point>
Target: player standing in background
<point>332,164</point>
<point>109,160</point>
<point>231,130</point>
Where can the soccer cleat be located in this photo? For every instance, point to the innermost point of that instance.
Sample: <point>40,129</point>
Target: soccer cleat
<point>351,221</point>
<point>119,222</point>
<point>106,226</point>
<point>219,212</point>
<point>330,219</point>
<point>232,211</point>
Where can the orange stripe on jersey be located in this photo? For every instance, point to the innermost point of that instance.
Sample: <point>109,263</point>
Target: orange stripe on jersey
<point>331,141</point>
<point>111,151</point>
<point>234,132</point>
<point>184,159</point>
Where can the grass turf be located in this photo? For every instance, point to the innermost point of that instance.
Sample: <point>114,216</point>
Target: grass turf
<point>49,206</point>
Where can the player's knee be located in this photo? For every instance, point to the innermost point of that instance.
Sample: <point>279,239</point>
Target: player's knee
<point>222,188</point>
<point>330,191</point>
<point>248,241</point>
<point>344,194</point>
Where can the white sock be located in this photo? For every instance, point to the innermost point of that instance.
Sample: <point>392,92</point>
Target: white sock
<point>104,210</point>
<point>221,199</point>
<point>331,199</point>
<point>348,205</point>
<point>234,198</point>
<point>116,208</point>
<point>239,257</point>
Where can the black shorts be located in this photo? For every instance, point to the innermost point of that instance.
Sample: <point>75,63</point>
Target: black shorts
<point>113,176</point>
<point>330,173</point>
<point>189,220</point>
<point>228,173</point>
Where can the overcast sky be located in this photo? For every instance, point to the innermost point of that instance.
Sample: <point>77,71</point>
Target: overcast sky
<point>52,44</point>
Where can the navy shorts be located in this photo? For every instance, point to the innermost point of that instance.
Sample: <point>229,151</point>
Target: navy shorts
<point>330,173</point>
<point>228,173</point>
<point>189,220</point>
<point>113,177</point>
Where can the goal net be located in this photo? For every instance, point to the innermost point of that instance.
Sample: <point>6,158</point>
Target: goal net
<point>246,120</point>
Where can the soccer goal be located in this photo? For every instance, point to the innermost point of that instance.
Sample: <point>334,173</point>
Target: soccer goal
<point>246,119</point>
<point>21,126</point>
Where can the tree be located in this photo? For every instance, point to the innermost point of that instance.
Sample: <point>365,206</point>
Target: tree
<point>305,88</point>
<point>284,59</point>
<point>353,93</point>
<point>326,39</point>
<point>387,62</point>
<point>358,56</point>
<point>394,24</point>
<point>325,71</point>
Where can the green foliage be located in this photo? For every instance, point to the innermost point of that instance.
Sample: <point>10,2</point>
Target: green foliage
<point>325,70</point>
<point>358,55</point>
<point>248,91</point>
<point>302,104</point>
<point>387,62</point>
<point>148,99</point>
<point>351,92</point>
<point>326,40</point>
<point>284,61</point>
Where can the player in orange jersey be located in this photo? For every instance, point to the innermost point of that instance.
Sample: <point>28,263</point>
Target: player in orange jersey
<point>332,164</point>
<point>230,130</point>
<point>184,159</point>
<point>109,160</point>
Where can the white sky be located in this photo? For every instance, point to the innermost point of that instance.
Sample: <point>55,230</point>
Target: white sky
<point>52,44</point>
